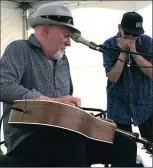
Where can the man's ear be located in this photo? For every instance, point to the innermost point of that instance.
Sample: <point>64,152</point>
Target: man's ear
<point>46,29</point>
<point>119,30</point>
<point>119,27</point>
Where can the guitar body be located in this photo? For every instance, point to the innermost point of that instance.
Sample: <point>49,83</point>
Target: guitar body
<point>60,115</point>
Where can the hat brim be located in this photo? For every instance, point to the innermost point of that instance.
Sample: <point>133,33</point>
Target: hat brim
<point>136,31</point>
<point>40,21</point>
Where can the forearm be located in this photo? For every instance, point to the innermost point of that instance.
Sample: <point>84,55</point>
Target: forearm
<point>140,61</point>
<point>116,70</point>
<point>48,98</point>
<point>12,91</point>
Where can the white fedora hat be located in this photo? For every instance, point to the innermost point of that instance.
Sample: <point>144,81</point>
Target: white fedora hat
<point>52,14</point>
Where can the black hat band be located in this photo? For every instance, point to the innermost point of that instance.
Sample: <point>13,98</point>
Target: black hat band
<point>58,18</point>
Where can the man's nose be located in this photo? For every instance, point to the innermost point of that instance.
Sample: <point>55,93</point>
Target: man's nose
<point>68,41</point>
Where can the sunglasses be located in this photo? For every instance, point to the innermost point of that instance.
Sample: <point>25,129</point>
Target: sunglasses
<point>134,35</point>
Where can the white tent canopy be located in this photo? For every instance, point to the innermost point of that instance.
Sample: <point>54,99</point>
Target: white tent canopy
<point>14,14</point>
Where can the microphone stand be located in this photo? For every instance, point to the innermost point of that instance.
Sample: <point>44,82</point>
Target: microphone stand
<point>104,48</point>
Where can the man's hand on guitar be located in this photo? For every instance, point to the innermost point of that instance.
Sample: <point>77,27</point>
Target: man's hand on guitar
<point>43,98</point>
<point>70,100</point>
<point>75,101</point>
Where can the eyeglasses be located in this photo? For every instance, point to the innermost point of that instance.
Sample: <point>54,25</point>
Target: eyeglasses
<point>134,35</point>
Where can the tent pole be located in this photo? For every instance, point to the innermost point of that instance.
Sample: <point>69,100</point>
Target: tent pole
<point>25,33</point>
<point>25,6</point>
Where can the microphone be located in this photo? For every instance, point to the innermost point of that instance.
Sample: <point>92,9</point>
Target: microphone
<point>78,38</point>
<point>102,48</point>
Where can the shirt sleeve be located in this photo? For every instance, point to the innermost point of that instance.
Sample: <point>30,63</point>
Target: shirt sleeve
<point>110,56</point>
<point>148,48</point>
<point>12,67</point>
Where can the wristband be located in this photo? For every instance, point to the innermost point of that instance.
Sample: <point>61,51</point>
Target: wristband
<point>121,60</point>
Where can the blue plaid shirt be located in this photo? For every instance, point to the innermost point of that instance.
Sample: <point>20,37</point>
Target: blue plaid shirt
<point>131,97</point>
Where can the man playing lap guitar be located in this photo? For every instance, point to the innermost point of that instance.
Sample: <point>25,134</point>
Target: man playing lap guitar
<point>38,69</point>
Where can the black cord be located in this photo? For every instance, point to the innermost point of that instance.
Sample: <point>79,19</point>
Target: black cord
<point>1,120</point>
<point>2,142</point>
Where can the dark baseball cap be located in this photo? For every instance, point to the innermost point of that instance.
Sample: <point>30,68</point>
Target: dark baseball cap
<point>132,23</point>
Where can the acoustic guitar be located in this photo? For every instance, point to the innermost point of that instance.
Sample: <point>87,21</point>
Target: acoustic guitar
<point>70,118</point>
<point>64,116</point>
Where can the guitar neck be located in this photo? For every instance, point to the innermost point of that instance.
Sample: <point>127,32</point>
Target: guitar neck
<point>132,135</point>
<point>136,138</point>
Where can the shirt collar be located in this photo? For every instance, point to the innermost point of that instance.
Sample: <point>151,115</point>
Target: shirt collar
<point>34,41</point>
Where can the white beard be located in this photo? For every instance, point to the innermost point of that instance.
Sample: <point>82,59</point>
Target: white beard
<point>58,55</point>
